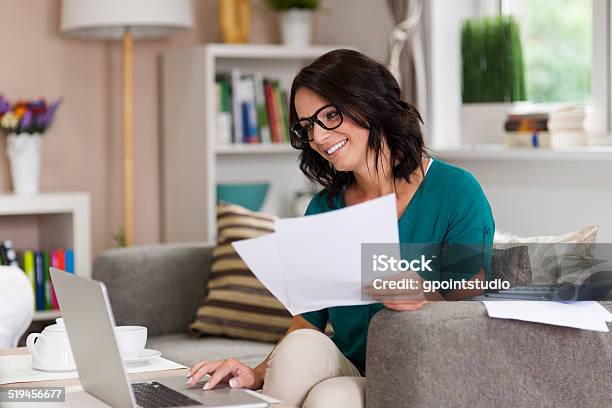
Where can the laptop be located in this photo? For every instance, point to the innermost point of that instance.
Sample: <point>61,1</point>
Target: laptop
<point>89,322</point>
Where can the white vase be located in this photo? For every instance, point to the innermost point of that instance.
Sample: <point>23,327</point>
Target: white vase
<point>483,123</point>
<point>296,27</point>
<point>24,152</point>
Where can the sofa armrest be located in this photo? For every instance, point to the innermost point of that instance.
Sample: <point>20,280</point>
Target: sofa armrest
<point>157,286</point>
<point>454,355</point>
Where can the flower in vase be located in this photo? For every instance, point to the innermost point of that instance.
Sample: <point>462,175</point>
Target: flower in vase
<point>26,120</point>
<point>9,121</point>
<point>5,106</point>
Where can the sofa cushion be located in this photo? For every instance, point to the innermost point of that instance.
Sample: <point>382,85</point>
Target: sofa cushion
<point>237,304</point>
<point>546,252</point>
<point>512,265</point>
<point>188,350</point>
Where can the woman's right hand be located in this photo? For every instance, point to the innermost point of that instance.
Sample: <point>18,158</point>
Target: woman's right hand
<point>231,371</point>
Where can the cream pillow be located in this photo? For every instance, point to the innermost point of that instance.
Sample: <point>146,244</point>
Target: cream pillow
<point>552,263</point>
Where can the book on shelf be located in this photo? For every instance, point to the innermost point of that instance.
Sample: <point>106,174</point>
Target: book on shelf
<point>250,109</point>
<point>39,271</point>
<point>224,109</point>
<point>35,264</point>
<point>272,108</point>
<point>541,126</point>
<point>28,268</point>
<point>260,104</point>
<point>536,139</point>
<point>57,261</point>
<point>47,281</point>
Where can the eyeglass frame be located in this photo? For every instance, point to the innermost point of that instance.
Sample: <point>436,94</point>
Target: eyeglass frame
<point>313,120</point>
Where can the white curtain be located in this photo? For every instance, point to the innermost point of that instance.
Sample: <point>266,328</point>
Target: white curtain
<point>406,51</point>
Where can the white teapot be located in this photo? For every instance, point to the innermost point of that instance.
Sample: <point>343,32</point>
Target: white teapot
<point>52,351</point>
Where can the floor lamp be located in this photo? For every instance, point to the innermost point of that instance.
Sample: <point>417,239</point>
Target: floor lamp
<point>125,20</point>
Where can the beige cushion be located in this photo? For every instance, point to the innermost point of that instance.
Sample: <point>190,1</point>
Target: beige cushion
<point>237,304</point>
<point>553,257</point>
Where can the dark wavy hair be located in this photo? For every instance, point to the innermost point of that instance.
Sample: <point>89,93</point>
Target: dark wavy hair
<point>367,94</point>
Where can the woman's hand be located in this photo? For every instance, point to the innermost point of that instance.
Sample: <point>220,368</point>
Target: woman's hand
<point>405,305</point>
<point>231,371</point>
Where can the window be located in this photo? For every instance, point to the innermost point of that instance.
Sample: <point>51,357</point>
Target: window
<point>567,47</point>
<point>557,48</point>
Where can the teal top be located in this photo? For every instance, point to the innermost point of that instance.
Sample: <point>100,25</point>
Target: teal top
<point>448,207</point>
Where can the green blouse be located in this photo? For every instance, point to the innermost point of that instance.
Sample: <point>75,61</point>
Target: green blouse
<point>448,207</point>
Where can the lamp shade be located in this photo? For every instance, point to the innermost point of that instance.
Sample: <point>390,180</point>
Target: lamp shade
<point>108,19</point>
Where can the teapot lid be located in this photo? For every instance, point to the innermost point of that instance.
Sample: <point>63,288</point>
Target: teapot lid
<point>57,327</point>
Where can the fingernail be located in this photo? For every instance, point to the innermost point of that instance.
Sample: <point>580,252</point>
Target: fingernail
<point>188,374</point>
<point>205,386</point>
<point>233,383</point>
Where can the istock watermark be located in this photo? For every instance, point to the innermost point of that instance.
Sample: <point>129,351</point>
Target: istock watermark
<point>526,271</point>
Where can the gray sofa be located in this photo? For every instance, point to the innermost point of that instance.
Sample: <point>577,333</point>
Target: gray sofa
<point>447,354</point>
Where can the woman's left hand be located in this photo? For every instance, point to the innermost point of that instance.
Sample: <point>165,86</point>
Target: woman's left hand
<point>405,305</point>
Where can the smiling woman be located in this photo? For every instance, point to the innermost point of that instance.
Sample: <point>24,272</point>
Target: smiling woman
<point>331,87</point>
<point>360,140</point>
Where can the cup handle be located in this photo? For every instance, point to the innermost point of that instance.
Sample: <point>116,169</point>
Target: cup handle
<point>30,345</point>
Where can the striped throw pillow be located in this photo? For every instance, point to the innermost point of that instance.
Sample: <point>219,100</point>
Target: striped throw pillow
<point>237,304</point>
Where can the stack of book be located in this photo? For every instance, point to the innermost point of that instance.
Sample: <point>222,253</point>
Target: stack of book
<point>250,109</point>
<point>36,265</point>
<point>547,127</point>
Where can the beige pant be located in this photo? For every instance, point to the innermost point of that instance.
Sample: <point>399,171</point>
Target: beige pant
<point>307,370</point>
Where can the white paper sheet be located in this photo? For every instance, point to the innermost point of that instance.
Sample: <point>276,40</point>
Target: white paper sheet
<point>587,315</point>
<point>322,253</point>
<point>314,262</point>
<point>261,256</point>
<point>18,368</point>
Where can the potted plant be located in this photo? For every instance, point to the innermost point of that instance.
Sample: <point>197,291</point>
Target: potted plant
<point>24,124</point>
<point>493,77</point>
<point>296,24</point>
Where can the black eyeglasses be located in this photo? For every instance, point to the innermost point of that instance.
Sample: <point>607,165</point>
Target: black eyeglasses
<point>329,117</point>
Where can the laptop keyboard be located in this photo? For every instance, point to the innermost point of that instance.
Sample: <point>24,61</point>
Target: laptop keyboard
<point>154,395</point>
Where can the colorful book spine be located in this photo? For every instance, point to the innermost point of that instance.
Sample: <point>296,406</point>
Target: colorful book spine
<point>58,261</point>
<point>272,111</point>
<point>47,279</point>
<point>282,110</point>
<point>249,110</point>
<point>224,112</point>
<point>262,114</point>
<point>237,136</point>
<point>40,280</point>
<point>69,255</point>
<point>28,268</point>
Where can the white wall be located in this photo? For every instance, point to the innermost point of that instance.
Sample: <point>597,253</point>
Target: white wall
<point>364,24</point>
<point>444,28</point>
<point>546,197</point>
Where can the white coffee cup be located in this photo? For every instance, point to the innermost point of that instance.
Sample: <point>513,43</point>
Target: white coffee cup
<point>131,340</point>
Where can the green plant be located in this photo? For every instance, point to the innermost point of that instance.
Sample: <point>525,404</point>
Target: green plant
<point>282,5</point>
<point>492,61</point>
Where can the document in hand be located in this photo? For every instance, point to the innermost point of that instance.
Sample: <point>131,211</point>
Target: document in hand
<point>314,262</point>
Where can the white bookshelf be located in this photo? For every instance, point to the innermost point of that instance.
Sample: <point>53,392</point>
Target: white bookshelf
<point>47,221</point>
<point>193,163</point>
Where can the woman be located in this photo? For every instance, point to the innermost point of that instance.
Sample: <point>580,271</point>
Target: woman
<point>360,141</point>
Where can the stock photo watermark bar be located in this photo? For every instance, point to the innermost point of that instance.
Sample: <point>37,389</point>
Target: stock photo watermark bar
<point>39,394</point>
<point>532,271</point>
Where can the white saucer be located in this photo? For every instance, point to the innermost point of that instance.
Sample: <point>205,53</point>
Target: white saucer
<point>145,355</point>
<point>58,370</point>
